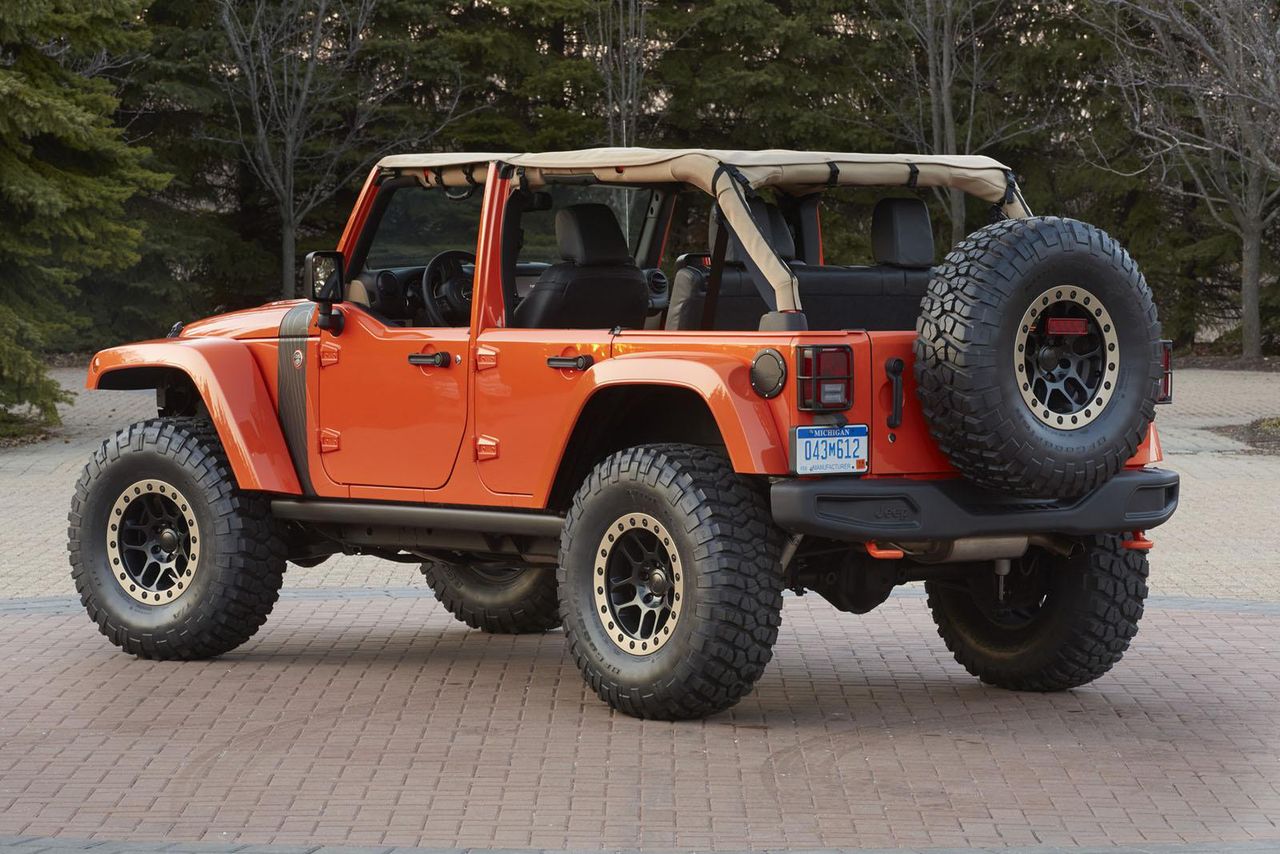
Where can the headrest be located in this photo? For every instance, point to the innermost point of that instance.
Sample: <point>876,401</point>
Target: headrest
<point>901,234</point>
<point>589,235</point>
<point>772,223</point>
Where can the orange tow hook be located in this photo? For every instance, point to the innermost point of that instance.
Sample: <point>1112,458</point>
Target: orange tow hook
<point>882,554</point>
<point>1138,542</point>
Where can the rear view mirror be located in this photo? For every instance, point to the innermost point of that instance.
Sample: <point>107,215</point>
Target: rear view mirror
<point>322,271</point>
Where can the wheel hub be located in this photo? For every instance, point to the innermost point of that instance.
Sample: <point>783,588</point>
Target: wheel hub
<point>153,542</point>
<point>1066,357</point>
<point>638,584</point>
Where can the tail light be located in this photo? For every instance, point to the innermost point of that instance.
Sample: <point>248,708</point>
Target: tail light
<point>1166,372</point>
<point>824,377</point>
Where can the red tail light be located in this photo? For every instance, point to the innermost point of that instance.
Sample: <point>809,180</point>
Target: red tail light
<point>1067,326</point>
<point>1166,375</point>
<point>824,377</point>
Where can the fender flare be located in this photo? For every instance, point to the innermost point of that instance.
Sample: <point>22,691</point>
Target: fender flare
<point>746,421</point>
<point>228,379</point>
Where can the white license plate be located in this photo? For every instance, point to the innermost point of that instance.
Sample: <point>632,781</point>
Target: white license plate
<point>830,450</point>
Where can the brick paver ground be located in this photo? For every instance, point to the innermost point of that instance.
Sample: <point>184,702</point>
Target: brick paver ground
<point>362,714</point>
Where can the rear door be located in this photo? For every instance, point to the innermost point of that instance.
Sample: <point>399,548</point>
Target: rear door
<point>528,389</point>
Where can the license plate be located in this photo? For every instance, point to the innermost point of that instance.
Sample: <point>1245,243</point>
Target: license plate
<point>829,450</point>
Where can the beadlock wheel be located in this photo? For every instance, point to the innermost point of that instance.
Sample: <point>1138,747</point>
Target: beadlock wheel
<point>639,584</point>
<point>153,540</point>
<point>1067,357</point>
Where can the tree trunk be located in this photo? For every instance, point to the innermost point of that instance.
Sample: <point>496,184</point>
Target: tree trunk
<point>1250,273</point>
<point>288,247</point>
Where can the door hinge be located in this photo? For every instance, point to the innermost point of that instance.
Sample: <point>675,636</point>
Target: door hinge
<point>330,440</point>
<point>329,351</point>
<point>486,358</point>
<point>486,448</point>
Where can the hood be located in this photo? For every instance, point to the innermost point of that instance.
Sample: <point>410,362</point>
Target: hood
<point>260,322</point>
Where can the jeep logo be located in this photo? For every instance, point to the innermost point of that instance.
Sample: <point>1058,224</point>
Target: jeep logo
<point>297,358</point>
<point>890,513</point>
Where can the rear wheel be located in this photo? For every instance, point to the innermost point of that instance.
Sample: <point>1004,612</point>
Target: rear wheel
<point>496,598</point>
<point>170,558</point>
<point>670,586</point>
<point>1054,622</point>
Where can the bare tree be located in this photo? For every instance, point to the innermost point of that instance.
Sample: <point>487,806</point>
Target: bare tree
<point>1199,81</point>
<point>621,50</point>
<point>305,94</point>
<point>939,94</point>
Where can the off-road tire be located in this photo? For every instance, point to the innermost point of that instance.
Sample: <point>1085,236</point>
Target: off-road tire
<point>967,383</point>
<point>1084,626</point>
<point>719,525</point>
<point>523,603</point>
<point>242,559</point>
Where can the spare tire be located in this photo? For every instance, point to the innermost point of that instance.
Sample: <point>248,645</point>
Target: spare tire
<point>1038,357</point>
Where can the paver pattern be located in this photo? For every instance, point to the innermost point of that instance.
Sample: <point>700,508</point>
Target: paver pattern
<point>362,714</point>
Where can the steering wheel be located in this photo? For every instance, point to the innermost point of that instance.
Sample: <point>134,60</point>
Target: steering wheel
<point>446,287</point>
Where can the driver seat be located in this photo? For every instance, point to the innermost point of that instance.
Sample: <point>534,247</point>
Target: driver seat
<point>596,286</point>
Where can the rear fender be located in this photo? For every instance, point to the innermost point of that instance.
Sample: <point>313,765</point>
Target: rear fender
<point>227,378</point>
<point>745,420</point>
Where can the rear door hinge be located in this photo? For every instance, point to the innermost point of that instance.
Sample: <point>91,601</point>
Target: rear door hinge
<point>330,440</point>
<point>486,358</point>
<point>329,351</point>
<point>486,448</point>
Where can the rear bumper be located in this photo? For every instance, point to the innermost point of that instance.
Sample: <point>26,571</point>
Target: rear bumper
<point>848,508</point>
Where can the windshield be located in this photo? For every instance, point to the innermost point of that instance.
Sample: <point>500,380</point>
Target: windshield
<point>420,223</point>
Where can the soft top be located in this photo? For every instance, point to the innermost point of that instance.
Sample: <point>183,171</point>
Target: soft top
<point>730,176</point>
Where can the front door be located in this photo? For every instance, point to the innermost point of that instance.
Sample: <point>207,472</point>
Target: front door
<point>393,402</point>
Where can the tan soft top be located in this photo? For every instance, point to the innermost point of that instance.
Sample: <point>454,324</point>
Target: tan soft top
<point>727,175</point>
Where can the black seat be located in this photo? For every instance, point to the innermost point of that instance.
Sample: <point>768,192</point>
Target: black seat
<point>739,305</point>
<point>884,296</point>
<point>596,286</point>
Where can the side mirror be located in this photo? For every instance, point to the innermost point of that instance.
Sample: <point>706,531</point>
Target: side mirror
<point>322,271</point>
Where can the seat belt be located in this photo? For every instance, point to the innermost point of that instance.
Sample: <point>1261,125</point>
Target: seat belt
<point>717,270</point>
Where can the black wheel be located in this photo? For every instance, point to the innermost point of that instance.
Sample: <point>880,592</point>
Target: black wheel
<point>508,600</point>
<point>670,584</point>
<point>1054,622</point>
<point>171,559</point>
<point>1038,357</point>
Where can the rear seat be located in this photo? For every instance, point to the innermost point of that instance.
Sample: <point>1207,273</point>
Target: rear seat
<point>884,296</point>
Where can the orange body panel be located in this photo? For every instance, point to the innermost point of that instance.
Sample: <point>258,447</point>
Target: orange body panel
<point>260,322</point>
<point>391,423</point>
<point>227,377</point>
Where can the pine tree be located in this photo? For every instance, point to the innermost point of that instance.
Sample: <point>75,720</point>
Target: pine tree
<point>65,175</point>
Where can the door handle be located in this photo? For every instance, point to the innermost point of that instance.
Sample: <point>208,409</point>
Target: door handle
<point>571,363</point>
<point>431,360</point>
<point>894,367</point>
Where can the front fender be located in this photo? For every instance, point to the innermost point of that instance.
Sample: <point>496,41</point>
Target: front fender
<point>745,420</point>
<point>226,376</point>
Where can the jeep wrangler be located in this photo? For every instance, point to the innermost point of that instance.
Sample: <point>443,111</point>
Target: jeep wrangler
<point>504,377</point>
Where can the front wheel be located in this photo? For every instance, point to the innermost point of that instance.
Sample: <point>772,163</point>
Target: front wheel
<point>171,559</point>
<point>1054,622</point>
<point>670,585</point>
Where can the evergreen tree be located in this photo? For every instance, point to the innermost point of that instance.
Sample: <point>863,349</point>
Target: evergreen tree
<point>65,176</point>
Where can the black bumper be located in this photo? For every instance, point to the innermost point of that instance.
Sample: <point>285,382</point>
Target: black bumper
<point>848,508</point>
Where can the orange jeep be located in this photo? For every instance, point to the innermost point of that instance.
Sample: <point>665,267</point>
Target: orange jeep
<point>504,377</point>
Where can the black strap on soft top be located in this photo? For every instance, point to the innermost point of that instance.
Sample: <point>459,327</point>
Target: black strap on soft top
<point>913,175</point>
<point>833,176</point>
<point>716,270</point>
